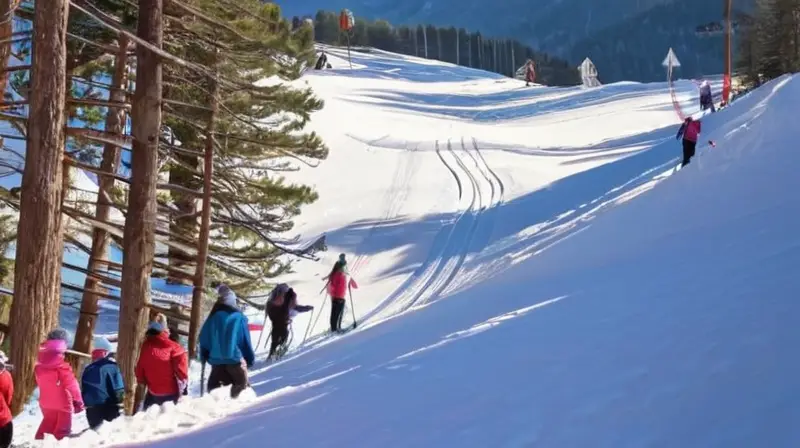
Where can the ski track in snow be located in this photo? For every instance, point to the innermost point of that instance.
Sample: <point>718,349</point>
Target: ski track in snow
<point>394,198</point>
<point>453,243</point>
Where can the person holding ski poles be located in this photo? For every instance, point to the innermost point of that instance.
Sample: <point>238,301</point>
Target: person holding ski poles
<point>281,308</point>
<point>690,131</point>
<point>530,73</point>
<point>337,290</point>
<point>706,99</point>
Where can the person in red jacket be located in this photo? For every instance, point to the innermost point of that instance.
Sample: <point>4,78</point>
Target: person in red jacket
<point>163,367</point>
<point>530,73</point>
<point>337,290</point>
<point>6,392</point>
<point>690,130</point>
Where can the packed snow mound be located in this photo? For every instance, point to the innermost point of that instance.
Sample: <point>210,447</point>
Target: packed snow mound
<point>669,320</point>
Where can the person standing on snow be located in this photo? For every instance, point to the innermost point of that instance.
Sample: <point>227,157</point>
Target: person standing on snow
<point>225,344</point>
<point>281,308</point>
<point>102,385</point>
<point>706,99</point>
<point>162,370</point>
<point>690,130</point>
<point>6,392</point>
<point>59,394</point>
<point>530,73</point>
<point>337,290</point>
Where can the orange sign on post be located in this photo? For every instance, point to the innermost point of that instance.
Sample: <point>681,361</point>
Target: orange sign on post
<point>346,23</point>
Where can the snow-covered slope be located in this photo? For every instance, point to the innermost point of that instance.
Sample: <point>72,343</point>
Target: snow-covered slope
<point>449,183</point>
<point>668,321</point>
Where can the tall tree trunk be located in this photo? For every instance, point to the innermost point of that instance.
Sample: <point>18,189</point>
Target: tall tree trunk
<point>139,236</point>
<point>40,245</point>
<point>205,222</point>
<point>186,225</point>
<point>115,124</point>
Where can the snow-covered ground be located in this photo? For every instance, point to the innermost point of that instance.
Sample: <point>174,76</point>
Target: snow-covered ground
<point>592,299</point>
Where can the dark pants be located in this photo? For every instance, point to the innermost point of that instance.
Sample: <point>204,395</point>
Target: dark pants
<point>96,415</point>
<point>688,151</point>
<point>280,329</point>
<point>150,400</point>
<point>228,375</point>
<point>337,312</point>
<point>6,434</point>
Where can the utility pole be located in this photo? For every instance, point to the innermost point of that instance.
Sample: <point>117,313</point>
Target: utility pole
<point>458,51</point>
<point>425,39</point>
<point>513,63</point>
<point>726,82</point>
<point>469,48</point>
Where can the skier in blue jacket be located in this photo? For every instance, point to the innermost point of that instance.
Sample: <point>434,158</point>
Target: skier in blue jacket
<point>102,385</point>
<point>225,344</point>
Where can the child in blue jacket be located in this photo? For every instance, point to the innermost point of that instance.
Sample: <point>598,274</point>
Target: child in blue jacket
<point>102,385</point>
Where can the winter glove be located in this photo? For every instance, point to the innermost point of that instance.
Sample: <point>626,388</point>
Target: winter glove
<point>77,407</point>
<point>204,354</point>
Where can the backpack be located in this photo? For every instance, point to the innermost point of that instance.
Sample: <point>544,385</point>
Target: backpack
<point>279,290</point>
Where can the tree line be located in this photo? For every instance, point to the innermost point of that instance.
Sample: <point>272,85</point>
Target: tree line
<point>769,44</point>
<point>158,100</point>
<point>447,44</point>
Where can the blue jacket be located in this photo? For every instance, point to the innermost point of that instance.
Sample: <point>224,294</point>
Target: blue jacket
<point>102,383</point>
<point>225,337</point>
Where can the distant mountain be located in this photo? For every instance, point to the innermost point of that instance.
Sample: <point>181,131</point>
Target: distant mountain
<point>625,38</point>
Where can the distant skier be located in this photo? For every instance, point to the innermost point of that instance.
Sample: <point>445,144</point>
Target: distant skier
<point>225,344</point>
<point>337,290</point>
<point>530,73</point>
<point>706,99</point>
<point>59,394</point>
<point>102,386</point>
<point>162,370</point>
<point>6,393</point>
<point>690,131</point>
<point>322,61</point>
<point>281,308</point>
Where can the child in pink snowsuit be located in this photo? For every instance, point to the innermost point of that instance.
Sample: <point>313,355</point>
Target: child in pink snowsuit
<point>59,394</point>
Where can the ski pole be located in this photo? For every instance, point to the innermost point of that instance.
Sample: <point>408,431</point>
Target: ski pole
<point>261,335</point>
<point>352,306</point>
<point>320,314</point>
<point>308,327</point>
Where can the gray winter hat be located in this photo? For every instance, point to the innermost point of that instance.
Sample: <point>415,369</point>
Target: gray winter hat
<point>59,334</point>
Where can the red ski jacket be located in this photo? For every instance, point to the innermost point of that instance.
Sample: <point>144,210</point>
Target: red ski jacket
<point>337,285</point>
<point>6,392</point>
<point>163,365</point>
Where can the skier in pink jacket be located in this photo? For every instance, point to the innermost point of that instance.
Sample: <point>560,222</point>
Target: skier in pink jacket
<point>59,394</point>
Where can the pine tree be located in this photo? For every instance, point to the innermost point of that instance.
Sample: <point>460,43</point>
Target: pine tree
<point>251,203</point>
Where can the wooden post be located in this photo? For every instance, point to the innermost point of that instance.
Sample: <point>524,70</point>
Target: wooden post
<point>726,83</point>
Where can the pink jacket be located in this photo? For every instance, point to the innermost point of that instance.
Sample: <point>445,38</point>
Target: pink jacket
<point>692,131</point>
<point>58,388</point>
<point>337,285</point>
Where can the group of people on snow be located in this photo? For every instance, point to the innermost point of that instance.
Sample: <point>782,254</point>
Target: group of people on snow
<point>161,371</point>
